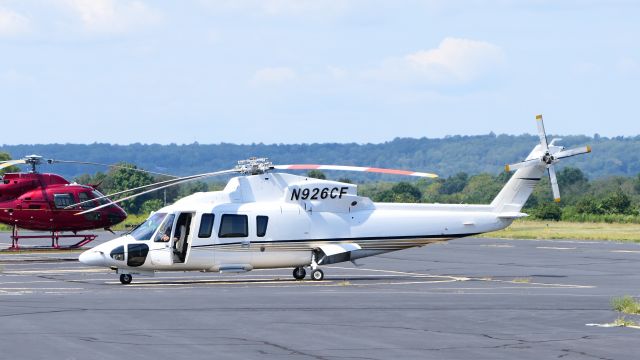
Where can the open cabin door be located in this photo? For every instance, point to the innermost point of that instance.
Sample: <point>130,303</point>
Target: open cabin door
<point>174,239</point>
<point>182,237</point>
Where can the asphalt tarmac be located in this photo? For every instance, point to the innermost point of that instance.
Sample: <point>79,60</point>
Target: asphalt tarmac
<point>466,299</point>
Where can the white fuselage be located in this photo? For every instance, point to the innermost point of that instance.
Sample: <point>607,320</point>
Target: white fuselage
<point>306,217</point>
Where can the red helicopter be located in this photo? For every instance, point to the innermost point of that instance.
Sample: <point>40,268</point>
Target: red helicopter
<point>45,202</point>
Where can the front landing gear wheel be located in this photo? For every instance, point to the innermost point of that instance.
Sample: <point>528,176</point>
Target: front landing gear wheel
<point>299,273</point>
<point>126,278</point>
<point>317,275</point>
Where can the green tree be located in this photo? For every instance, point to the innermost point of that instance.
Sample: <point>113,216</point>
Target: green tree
<point>192,188</point>
<point>617,203</point>
<point>316,174</point>
<point>9,169</point>
<point>406,192</point>
<point>119,179</point>
<point>588,205</point>
<point>454,184</point>
<point>150,206</point>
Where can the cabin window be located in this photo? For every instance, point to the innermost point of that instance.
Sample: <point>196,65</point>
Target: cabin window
<point>63,200</point>
<point>261,225</point>
<point>206,225</point>
<point>232,225</point>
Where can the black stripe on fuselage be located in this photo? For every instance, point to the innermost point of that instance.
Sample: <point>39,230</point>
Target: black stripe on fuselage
<point>360,239</point>
<point>534,179</point>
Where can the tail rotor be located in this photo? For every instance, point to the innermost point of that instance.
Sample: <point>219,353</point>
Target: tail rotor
<point>549,155</point>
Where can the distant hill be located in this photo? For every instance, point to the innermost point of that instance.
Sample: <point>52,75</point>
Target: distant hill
<point>446,156</point>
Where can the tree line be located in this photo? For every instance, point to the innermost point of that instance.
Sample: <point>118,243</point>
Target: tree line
<point>611,199</point>
<point>444,156</point>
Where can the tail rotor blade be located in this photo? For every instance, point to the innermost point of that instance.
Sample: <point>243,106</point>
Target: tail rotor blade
<point>573,152</point>
<point>354,168</point>
<point>520,165</point>
<point>542,134</point>
<point>554,183</point>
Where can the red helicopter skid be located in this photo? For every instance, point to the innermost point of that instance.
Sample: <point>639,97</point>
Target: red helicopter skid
<point>55,238</point>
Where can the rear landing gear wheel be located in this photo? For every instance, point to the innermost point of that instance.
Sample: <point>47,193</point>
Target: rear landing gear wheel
<point>299,273</point>
<point>126,278</point>
<point>317,275</point>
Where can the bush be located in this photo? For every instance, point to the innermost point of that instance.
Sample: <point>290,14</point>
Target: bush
<point>548,211</point>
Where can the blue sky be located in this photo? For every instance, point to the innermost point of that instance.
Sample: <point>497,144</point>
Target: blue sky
<point>287,71</point>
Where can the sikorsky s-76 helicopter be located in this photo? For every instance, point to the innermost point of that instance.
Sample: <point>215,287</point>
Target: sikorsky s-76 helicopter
<point>265,219</point>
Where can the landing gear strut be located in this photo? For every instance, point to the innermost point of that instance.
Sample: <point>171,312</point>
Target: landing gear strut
<point>299,273</point>
<point>126,278</point>
<point>316,274</point>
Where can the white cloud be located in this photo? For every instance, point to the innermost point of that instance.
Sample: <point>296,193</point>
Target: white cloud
<point>111,16</point>
<point>12,23</point>
<point>453,61</point>
<point>273,76</point>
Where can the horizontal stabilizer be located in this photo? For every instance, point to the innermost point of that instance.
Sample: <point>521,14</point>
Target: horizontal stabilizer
<point>333,249</point>
<point>512,215</point>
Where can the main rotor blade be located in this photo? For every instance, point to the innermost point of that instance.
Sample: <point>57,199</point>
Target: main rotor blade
<point>55,161</point>
<point>573,152</point>
<point>8,163</point>
<point>354,168</point>
<point>520,165</point>
<point>554,183</point>
<point>137,188</point>
<point>542,134</point>
<point>176,182</point>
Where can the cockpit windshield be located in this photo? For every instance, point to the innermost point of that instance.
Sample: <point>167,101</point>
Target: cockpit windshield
<point>146,229</point>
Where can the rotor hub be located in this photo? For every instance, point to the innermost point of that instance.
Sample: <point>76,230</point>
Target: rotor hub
<point>33,160</point>
<point>254,166</point>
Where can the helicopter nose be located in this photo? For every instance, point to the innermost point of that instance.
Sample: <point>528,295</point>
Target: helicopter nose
<point>92,258</point>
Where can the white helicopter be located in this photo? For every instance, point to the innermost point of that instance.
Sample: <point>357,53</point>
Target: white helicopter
<point>264,219</point>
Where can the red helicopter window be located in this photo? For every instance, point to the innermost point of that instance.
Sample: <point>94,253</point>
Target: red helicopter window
<point>84,196</point>
<point>97,194</point>
<point>63,200</point>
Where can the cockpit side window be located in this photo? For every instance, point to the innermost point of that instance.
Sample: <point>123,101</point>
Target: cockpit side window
<point>164,234</point>
<point>97,194</point>
<point>84,196</point>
